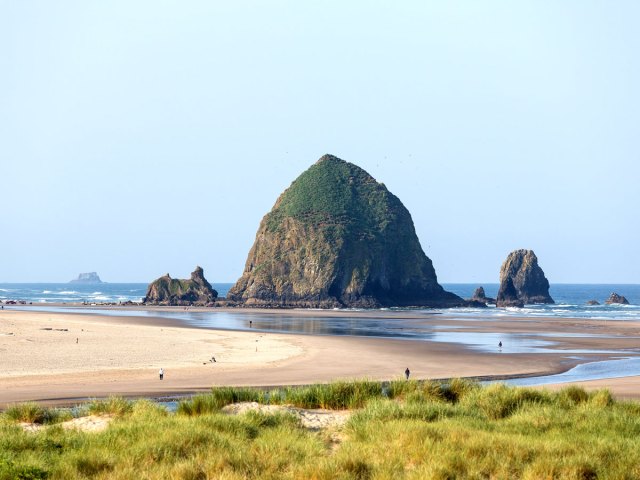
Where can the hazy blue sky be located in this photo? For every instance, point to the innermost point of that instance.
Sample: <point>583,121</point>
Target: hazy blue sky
<point>145,137</point>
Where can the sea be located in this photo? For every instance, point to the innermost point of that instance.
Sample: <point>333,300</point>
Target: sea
<point>570,299</point>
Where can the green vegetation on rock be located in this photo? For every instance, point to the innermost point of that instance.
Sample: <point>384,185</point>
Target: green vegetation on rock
<point>172,291</point>
<point>338,238</point>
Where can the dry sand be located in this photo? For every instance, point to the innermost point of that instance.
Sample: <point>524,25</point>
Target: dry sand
<point>63,358</point>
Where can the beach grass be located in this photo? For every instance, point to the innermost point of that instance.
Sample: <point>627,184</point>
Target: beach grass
<point>407,429</point>
<point>31,412</point>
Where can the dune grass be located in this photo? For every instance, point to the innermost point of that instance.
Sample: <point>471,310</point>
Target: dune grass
<point>31,412</point>
<point>410,430</point>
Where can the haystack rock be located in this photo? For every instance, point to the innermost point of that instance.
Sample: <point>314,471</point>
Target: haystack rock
<point>338,238</point>
<point>615,298</point>
<point>171,291</point>
<point>480,296</point>
<point>521,273</point>
<point>593,302</point>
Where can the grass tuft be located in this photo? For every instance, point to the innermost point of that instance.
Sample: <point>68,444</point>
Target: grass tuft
<point>31,412</point>
<point>117,406</point>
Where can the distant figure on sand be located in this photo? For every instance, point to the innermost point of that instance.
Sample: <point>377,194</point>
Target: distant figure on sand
<point>500,344</point>
<point>407,373</point>
<point>161,374</point>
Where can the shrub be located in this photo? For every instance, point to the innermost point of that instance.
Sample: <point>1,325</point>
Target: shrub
<point>573,395</point>
<point>31,412</point>
<point>500,401</point>
<point>112,406</point>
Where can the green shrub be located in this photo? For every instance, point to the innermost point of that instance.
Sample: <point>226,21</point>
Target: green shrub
<point>457,389</point>
<point>573,395</point>
<point>31,412</point>
<point>10,471</point>
<point>110,406</point>
<point>218,398</point>
<point>500,401</point>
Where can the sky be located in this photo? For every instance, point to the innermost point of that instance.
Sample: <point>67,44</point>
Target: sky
<point>140,138</point>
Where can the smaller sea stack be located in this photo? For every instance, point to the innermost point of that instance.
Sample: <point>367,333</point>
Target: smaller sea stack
<point>614,298</point>
<point>522,280</point>
<point>480,296</point>
<point>172,291</point>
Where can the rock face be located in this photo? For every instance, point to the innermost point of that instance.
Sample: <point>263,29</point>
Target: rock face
<point>480,296</point>
<point>90,277</point>
<point>171,291</point>
<point>593,302</point>
<point>522,280</point>
<point>615,298</point>
<point>508,295</point>
<point>338,238</point>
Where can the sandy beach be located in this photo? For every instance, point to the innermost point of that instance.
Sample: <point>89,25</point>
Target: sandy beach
<point>62,358</point>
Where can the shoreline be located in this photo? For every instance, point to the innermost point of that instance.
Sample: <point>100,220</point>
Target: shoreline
<point>121,355</point>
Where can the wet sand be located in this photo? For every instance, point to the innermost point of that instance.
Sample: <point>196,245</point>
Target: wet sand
<point>63,358</point>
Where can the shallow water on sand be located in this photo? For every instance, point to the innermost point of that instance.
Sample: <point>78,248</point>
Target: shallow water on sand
<point>616,368</point>
<point>394,326</point>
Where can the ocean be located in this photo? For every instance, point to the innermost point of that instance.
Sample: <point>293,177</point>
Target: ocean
<point>570,299</point>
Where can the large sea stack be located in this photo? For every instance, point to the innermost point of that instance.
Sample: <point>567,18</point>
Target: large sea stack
<point>172,291</point>
<point>338,238</point>
<point>522,280</point>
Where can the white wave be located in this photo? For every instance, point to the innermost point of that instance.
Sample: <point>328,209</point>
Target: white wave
<point>100,297</point>
<point>96,293</point>
<point>45,292</point>
<point>70,292</point>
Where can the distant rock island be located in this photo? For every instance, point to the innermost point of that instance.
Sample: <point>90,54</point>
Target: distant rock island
<point>338,238</point>
<point>90,277</point>
<point>522,281</point>
<point>171,291</point>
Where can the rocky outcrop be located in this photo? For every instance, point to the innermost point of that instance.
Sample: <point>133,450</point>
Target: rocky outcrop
<point>90,277</point>
<point>593,302</point>
<point>615,298</point>
<point>522,280</point>
<point>338,238</point>
<point>171,291</point>
<point>508,295</point>
<point>480,296</point>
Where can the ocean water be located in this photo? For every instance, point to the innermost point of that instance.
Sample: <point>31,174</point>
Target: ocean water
<point>570,298</point>
<point>78,292</point>
<point>570,301</point>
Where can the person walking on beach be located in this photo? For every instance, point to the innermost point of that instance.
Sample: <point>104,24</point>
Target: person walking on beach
<point>407,373</point>
<point>161,373</point>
